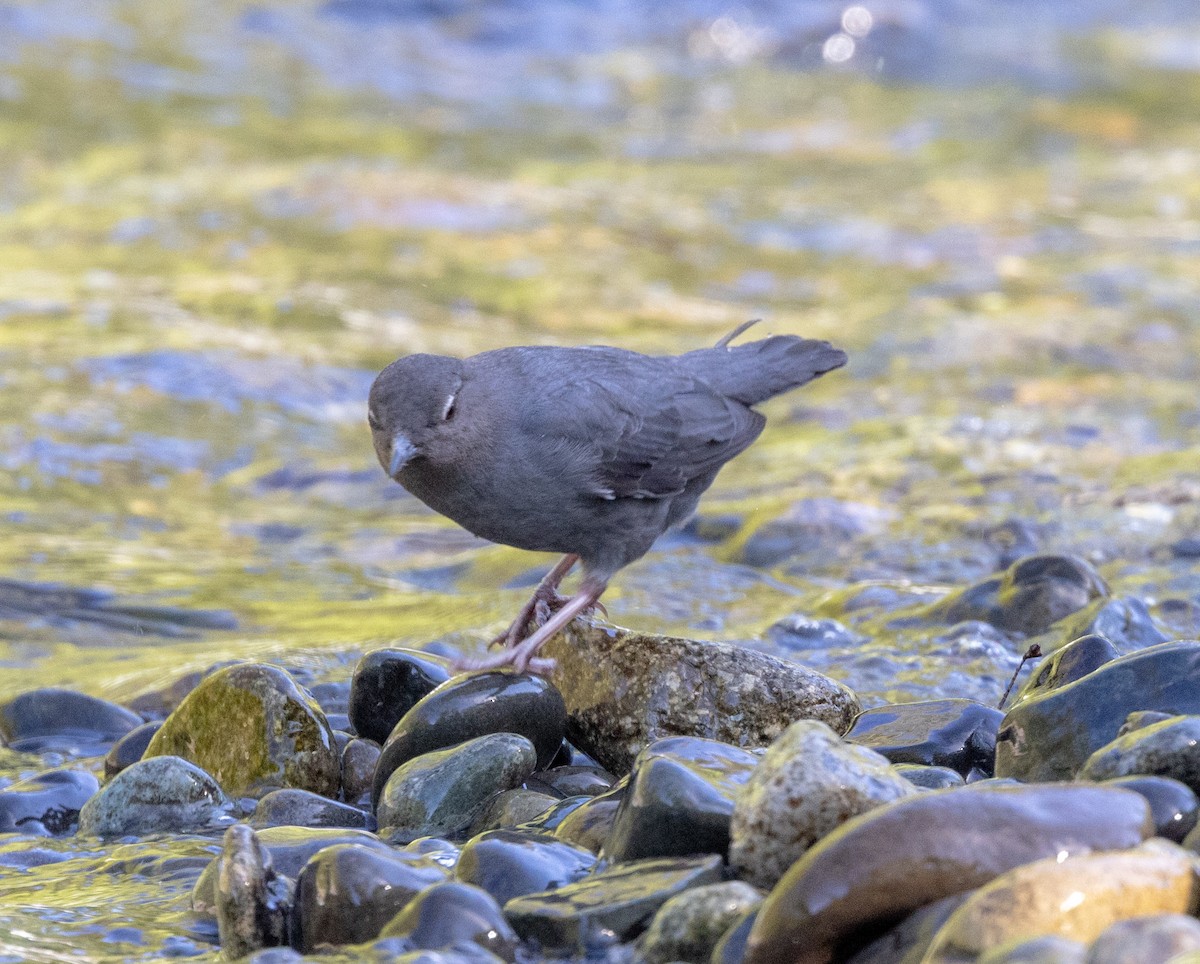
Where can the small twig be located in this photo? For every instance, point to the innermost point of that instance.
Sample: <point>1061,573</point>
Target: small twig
<point>1033,652</point>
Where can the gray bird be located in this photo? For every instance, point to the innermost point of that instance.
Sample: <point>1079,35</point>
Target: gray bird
<point>593,452</point>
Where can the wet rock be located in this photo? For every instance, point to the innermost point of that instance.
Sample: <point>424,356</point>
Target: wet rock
<point>929,778</point>
<point>1166,749</point>
<point>387,683</point>
<point>1141,719</point>
<point>510,808</point>
<point>1146,940</point>
<point>625,690</point>
<point>680,799</point>
<point>1174,807</point>
<point>163,793</point>
<point>810,525</point>
<point>731,949</point>
<point>442,792</point>
<point>474,705</point>
<point>549,820</point>
<point>572,781</point>
<point>589,824</point>
<point>808,783</point>
<point>1050,735</point>
<point>805,632</point>
<point>620,899</point>
<point>508,864</point>
<point>290,849</point>
<point>252,902</point>
<point>1077,898</point>
<point>129,749</point>
<point>885,864</point>
<point>347,893</point>
<point>687,927</point>
<point>1125,621</point>
<point>359,759</point>
<point>907,942</point>
<point>960,734</point>
<point>1074,661</point>
<point>1027,597</point>
<point>1049,949</point>
<point>64,721</point>
<point>300,808</point>
<point>47,803</point>
<point>255,730</point>
<point>445,914</point>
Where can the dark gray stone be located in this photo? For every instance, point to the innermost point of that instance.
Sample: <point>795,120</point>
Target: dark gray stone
<point>955,733</point>
<point>445,914</point>
<point>1170,748</point>
<point>64,721</point>
<point>47,803</point>
<point>387,683</point>
<point>509,863</point>
<point>301,808</point>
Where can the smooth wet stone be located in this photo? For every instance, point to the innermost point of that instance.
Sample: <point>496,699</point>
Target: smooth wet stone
<point>1049,949</point>
<point>1174,807</point>
<point>65,721</point>
<point>253,902</point>
<point>445,914</point>
<point>129,749</point>
<point>689,925</point>
<point>387,683</point>
<point>444,791</point>
<point>1074,661</point>
<point>808,783</point>
<point>1167,749</point>
<point>625,690</point>
<point>1028,597</point>
<point>347,893</point>
<point>1050,736</point>
<point>255,730</point>
<point>960,734</point>
<point>290,849</point>
<point>300,808</point>
<point>161,794</point>
<point>510,808</point>
<point>620,899</point>
<point>1125,621</point>
<point>572,781</point>
<point>1146,940</point>
<point>589,824</point>
<point>731,948</point>
<point>548,821</point>
<point>1077,898</point>
<point>807,632</point>
<point>907,942</point>
<point>508,863</point>
<point>473,705</point>
<point>680,799</point>
<point>929,778</point>
<point>882,865</point>
<point>46,803</point>
<point>359,759</point>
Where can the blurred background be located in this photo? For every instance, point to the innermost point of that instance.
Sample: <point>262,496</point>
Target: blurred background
<point>218,219</point>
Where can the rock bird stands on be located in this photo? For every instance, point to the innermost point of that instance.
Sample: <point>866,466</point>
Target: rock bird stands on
<point>592,452</point>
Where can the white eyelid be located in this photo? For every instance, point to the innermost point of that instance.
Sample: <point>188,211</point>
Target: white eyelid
<point>449,406</point>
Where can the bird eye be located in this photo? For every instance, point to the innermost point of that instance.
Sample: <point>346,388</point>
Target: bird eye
<point>372,420</point>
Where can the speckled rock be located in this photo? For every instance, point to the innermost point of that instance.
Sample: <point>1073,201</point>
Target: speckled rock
<point>1146,940</point>
<point>65,721</point>
<point>163,793</point>
<point>620,899</point>
<point>808,783</point>
<point>687,927</point>
<point>387,683</point>
<point>473,705</point>
<point>1049,949</point>
<point>254,730</point>
<point>884,864</point>
<point>253,903</point>
<point>1073,661</point>
<point>625,690</point>
<point>300,808</point>
<point>960,734</point>
<point>1168,749</point>
<point>1174,807</point>
<point>1077,898</point>
<point>445,914</point>
<point>1050,735</point>
<point>46,803</point>
<point>680,799</point>
<point>129,749</point>
<point>443,792</point>
<point>347,893</point>
<point>509,864</point>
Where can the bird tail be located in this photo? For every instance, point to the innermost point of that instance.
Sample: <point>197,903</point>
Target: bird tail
<point>758,370</point>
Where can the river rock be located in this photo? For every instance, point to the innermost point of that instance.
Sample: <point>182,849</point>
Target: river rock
<point>907,942</point>
<point>160,794</point>
<point>255,730</point>
<point>929,778</point>
<point>1076,898</point>
<point>589,824</point>
<point>473,705</point>
<point>549,820</point>
<point>1050,735</point>
<point>444,791</point>
<point>955,733</point>
<point>46,803</point>
<point>1147,940</point>
<point>808,783</point>
<point>387,683</point>
<point>572,781</point>
<point>884,864</point>
<point>625,690</point>
<point>129,749</point>
<point>300,808</point>
<point>688,926</point>
<point>1048,949</point>
<point>1174,807</point>
<point>1125,621</point>
<point>359,759</point>
<point>807,632</point>
<point>680,799</point>
<point>253,903</point>
<point>1170,748</point>
<point>620,900</point>
<point>510,808</point>
<point>1073,661</point>
<point>445,914</point>
<point>508,863</point>
<point>347,893</point>
<point>64,721</point>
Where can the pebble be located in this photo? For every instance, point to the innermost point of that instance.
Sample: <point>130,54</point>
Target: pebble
<point>160,794</point>
<point>509,864</point>
<point>572,781</point>
<point>129,749</point>
<point>46,803</point>
<point>387,683</point>
<point>1146,940</point>
<point>806,632</point>
<point>359,759</point>
<point>301,808</point>
<point>687,927</point>
<point>929,778</point>
<point>1174,807</point>
<point>1170,748</point>
<point>510,808</point>
<point>252,901</point>
<point>954,733</point>
<point>1074,661</point>
<point>589,824</point>
<point>1125,621</point>
<point>448,913</point>
<point>64,721</point>
<point>1049,949</point>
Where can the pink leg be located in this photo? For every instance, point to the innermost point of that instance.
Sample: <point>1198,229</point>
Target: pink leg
<point>524,655</point>
<point>545,590</point>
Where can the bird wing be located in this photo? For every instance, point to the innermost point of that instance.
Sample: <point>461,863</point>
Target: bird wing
<point>644,427</point>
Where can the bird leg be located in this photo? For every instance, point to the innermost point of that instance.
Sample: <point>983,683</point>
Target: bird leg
<point>545,599</point>
<point>523,656</point>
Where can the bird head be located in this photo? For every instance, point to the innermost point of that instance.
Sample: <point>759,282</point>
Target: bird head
<point>411,406</point>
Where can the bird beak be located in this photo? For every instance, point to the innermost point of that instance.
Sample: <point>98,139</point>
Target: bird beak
<point>402,451</point>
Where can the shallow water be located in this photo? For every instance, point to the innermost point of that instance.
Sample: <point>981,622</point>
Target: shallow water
<point>219,219</point>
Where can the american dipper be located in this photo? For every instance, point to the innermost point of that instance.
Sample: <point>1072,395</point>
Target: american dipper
<point>593,452</point>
